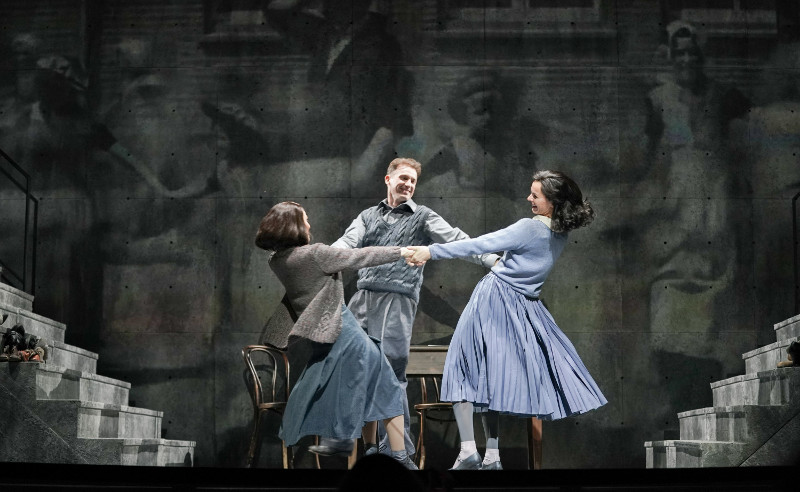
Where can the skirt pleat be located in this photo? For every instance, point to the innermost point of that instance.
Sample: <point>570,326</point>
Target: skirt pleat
<point>507,354</point>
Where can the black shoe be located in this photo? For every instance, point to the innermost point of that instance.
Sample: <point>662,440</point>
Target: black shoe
<point>405,460</point>
<point>331,447</point>
<point>471,462</point>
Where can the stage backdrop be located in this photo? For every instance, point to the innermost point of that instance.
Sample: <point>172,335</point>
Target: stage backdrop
<point>159,132</point>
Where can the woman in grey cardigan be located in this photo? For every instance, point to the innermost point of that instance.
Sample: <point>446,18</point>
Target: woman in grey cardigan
<point>347,385</point>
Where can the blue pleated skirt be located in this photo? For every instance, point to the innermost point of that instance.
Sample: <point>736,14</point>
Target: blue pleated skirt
<point>344,386</point>
<point>507,354</point>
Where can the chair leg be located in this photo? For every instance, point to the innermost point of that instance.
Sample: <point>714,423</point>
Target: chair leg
<point>316,456</point>
<point>534,443</point>
<point>253,439</point>
<point>285,452</point>
<point>420,457</point>
<point>351,459</point>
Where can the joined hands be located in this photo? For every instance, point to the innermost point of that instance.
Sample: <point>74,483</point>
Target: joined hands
<point>416,255</point>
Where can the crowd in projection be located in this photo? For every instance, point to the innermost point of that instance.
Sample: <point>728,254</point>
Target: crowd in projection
<point>146,173</point>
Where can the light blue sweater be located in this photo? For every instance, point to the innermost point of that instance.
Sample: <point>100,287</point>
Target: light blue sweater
<point>531,250</point>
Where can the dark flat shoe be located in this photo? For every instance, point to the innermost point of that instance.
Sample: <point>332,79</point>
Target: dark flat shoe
<point>332,447</point>
<point>471,462</point>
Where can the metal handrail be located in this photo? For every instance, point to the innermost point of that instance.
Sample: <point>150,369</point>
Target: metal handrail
<point>794,250</point>
<point>27,283</point>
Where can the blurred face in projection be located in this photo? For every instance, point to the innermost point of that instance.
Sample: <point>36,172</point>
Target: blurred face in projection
<point>400,185</point>
<point>539,204</point>
<point>686,60</point>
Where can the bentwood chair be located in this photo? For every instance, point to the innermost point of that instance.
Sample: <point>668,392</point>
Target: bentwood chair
<point>268,383</point>
<point>442,412</point>
<point>430,408</point>
<point>426,363</point>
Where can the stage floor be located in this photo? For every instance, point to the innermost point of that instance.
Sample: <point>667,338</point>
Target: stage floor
<point>34,476</point>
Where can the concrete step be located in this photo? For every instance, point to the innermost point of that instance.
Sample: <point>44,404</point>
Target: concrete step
<point>773,387</point>
<point>45,381</point>
<point>787,329</point>
<point>45,328</point>
<point>767,357</point>
<point>71,357</point>
<point>157,452</point>
<point>12,298</point>
<point>59,383</point>
<point>138,452</point>
<point>741,423</point>
<point>694,454</point>
<point>70,431</point>
<point>102,420</point>
<point>74,419</point>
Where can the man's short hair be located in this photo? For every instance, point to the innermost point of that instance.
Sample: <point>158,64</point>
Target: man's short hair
<point>404,161</point>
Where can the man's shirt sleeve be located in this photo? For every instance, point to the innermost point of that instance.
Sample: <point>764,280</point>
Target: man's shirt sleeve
<point>353,236</point>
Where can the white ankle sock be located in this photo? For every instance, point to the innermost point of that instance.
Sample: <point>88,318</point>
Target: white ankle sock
<point>468,448</point>
<point>492,455</point>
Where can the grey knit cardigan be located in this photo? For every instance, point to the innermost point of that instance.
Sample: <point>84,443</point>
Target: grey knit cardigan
<point>313,282</point>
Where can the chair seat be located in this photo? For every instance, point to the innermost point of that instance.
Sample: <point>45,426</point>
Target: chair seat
<point>277,406</point>
<point>433,406</point>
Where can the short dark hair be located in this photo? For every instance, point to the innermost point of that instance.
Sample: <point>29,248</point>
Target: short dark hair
<point>570,210</point>
<point>404,161</point>
<point>283,227</point>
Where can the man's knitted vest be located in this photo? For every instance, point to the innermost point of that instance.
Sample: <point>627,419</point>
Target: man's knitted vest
<point>407,231</point>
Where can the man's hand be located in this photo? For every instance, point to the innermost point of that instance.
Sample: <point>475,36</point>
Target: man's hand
<point>418,256</point>
<point>407,253</point>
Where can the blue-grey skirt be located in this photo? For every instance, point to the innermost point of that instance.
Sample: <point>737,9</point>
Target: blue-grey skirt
<point>344,386</point>
<point>507,354</point>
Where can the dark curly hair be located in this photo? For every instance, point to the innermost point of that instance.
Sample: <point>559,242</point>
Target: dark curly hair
<point>283,227</point>
<point>570,210</point>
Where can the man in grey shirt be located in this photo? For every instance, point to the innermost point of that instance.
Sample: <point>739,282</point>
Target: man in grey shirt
<point>386,300</point>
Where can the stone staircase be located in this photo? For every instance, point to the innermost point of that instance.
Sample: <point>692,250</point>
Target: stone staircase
<point>755,420</point>
<point>62,411</point>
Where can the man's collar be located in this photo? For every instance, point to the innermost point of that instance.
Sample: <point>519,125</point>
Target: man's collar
<point>410,204</point>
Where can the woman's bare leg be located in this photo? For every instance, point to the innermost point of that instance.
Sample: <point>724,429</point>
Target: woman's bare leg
<point>395,430</point>
<point>369,432</point>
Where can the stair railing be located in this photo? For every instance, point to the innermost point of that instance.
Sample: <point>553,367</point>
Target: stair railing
<point>23,278</point>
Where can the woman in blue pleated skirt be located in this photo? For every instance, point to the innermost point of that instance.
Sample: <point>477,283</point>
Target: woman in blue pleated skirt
<point>507,354</point>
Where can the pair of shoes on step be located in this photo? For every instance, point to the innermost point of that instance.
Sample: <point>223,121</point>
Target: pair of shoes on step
<point>332,447</point>
<point>27,355</point>
<point>474,462</point>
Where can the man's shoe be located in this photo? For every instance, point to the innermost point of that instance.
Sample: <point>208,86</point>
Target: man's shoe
<point>495,465</point>
<point>471,462</point>
<point>331,447</point>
